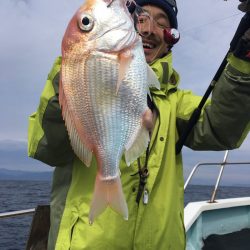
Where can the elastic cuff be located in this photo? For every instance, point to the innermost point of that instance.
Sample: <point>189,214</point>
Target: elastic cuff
<point>240,65</point>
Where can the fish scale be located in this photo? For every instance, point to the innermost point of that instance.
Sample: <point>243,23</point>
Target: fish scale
<point>101,75</point>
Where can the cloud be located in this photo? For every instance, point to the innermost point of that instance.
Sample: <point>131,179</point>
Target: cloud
<point>207,28</point>
<point>31,34</point>
<point>13,156</point>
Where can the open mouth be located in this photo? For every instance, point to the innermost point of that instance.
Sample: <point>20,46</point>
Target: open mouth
<point>147,45</point>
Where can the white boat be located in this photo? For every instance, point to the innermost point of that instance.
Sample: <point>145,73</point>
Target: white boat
<point>217,224</point>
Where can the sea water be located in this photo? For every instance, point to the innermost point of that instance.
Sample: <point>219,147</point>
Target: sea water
<point>20,195</point>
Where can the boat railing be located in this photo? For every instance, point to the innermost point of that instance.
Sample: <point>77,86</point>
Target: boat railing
<point>17,213</point>
<point>221,165</point>
<point>39,229</point>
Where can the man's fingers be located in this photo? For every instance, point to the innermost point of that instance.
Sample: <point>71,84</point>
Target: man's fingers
<point>147,120</point>
<point>244,6</point>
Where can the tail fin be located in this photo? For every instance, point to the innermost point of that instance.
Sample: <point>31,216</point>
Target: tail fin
<point>108,193</point>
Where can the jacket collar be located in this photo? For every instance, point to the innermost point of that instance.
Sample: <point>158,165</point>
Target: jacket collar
<point>167,76</point>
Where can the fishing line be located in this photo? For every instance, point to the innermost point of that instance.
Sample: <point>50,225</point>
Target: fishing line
<point>206,24</point>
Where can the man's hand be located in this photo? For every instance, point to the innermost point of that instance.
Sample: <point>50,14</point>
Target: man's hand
<point>244,5</point>
<point>242,49</point>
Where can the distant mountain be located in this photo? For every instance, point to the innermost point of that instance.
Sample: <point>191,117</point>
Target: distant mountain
<point>14,156</point>
<point>16,165</point>
<point>6,174</point>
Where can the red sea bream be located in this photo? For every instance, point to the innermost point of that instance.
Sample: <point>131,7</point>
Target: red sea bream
<point>103,95</point>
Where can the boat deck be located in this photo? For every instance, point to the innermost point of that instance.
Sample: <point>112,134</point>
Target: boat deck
<point>232,241</point>
<point>216,224</point>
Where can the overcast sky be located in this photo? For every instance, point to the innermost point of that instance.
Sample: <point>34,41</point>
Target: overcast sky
<point>30,40</point>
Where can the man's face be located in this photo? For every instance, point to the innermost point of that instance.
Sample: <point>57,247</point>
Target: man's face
<point>152,35</point>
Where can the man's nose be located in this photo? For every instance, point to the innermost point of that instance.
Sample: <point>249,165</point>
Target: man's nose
<point>145,29</point>
<point>145,32</point>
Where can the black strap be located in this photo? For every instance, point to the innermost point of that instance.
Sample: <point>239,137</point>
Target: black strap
<point>143,174</point>
<point>150,103</point>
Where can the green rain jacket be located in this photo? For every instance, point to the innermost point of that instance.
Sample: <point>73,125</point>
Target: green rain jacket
<point>223,124</point>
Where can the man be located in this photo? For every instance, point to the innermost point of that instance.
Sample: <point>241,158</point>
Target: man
<point>155,195</point>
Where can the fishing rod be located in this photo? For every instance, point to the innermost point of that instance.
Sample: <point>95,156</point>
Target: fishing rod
<point>242,28</point>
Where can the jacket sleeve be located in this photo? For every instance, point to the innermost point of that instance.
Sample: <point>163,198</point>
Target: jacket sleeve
<point>225,120</point>
<point>48,139</point>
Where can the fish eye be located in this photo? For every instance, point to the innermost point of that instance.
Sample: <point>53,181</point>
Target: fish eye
<point>86,22</point>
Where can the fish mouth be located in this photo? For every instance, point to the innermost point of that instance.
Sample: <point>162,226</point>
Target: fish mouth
<point>104,32</point>
<point>116,39</point>
<point>130,40</point>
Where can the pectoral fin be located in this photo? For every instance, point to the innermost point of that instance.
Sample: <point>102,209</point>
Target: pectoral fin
<point>125,59</point>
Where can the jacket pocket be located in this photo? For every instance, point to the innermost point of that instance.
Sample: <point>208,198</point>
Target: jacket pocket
<point>66,230</point>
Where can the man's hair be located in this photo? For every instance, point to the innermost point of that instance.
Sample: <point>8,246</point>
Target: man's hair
<point>168,6</point>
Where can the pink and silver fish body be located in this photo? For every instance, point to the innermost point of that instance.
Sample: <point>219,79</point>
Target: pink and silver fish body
<point>103,95</point>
